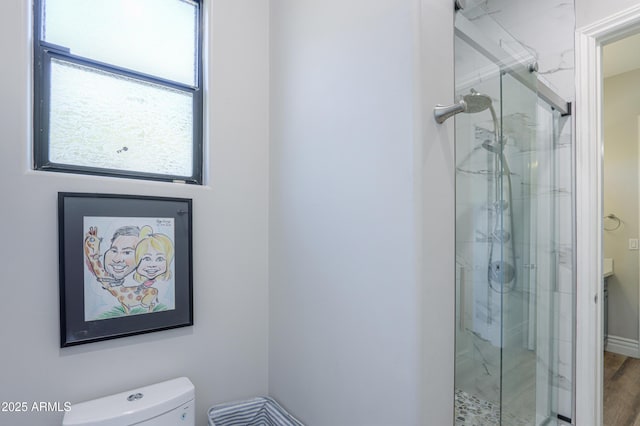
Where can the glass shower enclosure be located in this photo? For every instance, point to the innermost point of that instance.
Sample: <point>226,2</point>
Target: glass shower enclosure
<point>506,257</point>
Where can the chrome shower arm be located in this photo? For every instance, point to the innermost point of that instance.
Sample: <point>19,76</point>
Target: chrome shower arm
<point>471,103</point>
<point>441,112</point>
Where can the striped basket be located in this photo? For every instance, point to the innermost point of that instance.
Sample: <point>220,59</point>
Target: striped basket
<point>260,411</point>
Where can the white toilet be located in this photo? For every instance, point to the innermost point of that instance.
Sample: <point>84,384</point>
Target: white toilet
<point>170,403</point>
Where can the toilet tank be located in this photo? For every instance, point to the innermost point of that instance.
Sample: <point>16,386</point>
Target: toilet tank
<point>170,403</point>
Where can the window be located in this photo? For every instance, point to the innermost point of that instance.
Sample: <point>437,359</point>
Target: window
<point>118,88</point>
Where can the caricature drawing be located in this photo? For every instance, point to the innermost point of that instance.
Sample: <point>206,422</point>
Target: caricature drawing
<point>92,255</point>
<point>119,262</point>
<point>153,257</point>
<point>119,259</point>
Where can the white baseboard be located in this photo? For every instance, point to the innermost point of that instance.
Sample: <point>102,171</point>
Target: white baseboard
<point>623,346</point>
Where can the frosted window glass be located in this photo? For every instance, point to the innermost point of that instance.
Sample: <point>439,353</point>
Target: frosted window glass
<point>104,120</point>
<point>155,37</point>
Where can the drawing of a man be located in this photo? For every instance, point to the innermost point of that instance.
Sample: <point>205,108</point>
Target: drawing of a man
<point>119,259</point>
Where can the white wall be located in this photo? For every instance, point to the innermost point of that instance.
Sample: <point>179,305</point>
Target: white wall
<point>590,11</point>
<point>225,352</point>
<point>361,273</point>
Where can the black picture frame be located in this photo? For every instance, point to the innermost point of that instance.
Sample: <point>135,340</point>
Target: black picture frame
<point>114,283</point>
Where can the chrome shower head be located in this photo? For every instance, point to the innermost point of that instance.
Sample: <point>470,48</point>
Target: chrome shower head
<point>471,103</point>
<point>476,102</point>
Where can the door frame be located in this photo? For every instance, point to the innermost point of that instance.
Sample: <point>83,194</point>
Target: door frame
<point>589,209</point>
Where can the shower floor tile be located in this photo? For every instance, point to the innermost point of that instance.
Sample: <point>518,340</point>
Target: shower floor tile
<point>473,411</point>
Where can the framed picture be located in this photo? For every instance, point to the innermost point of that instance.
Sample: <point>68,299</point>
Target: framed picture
<point>125,265</point>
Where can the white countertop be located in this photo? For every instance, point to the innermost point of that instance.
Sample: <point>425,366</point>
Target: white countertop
<point>607,267</point>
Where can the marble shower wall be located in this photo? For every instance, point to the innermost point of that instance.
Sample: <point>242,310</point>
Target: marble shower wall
<point>546,29</point>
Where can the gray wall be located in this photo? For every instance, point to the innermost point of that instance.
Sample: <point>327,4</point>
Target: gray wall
<point>621,108</point>
<point>225,352</point>
<point>361,214</point>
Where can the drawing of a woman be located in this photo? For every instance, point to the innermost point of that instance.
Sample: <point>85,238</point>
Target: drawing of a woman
<point>154,254</point>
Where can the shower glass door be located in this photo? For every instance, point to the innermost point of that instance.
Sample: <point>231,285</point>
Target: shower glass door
<point>504,256</point>
<point>520,308</point>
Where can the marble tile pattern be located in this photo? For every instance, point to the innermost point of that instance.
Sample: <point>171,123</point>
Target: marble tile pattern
<point>545,28</point>
<point>494,321</point>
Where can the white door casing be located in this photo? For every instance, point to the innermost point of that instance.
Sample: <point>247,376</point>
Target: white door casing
<point>589,209</point>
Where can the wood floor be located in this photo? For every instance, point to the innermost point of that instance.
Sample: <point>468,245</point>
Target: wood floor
<point>621,390</point>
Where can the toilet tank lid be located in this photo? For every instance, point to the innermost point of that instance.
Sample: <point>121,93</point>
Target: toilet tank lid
<point>132,406</point>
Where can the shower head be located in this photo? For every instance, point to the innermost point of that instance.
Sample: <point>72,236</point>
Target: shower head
<point>476,102</point>
<point>471,103</point>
